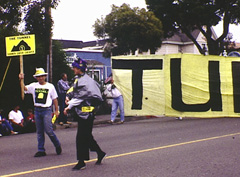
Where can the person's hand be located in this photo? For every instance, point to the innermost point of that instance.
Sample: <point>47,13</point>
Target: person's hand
<point>56,113</point>
<point>66,111</point>
<point>21,76</point>
<point>67,100</point>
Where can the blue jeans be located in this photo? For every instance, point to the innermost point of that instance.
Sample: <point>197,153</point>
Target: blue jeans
<point>117,102</point>
<point>43,118</point>
<point>62,105</point>
<point>5,127</point>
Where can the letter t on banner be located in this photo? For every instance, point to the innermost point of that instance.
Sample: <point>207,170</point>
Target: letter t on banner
<point>137,67</point>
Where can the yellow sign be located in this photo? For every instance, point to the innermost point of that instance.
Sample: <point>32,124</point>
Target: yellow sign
<point>20,45</point>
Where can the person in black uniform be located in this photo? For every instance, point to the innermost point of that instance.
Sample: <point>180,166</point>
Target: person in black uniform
<point>82,97</point>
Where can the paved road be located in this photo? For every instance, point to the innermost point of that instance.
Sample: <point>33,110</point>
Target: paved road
<point>161,147</point>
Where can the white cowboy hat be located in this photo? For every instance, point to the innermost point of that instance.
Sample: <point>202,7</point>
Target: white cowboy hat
<point>39,72</point>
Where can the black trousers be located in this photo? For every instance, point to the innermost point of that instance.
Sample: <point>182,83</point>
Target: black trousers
<point>85,140</point>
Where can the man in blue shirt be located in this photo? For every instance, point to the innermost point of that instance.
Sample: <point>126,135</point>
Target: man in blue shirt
<point>62,90</point>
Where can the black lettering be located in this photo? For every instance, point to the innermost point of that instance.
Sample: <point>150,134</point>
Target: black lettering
<point>137,67</point>
<point>236,85</point>
<point>215,86</point>
<point>215,101</point>
<point>137,88</point>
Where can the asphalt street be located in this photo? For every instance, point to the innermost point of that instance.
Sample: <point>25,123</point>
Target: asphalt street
<point>156,147</point>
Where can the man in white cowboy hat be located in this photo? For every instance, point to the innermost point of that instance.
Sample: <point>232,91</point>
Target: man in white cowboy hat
<point>44,95</point>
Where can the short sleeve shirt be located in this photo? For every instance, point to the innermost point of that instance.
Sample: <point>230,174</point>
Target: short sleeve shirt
<point>42,94</point>
<point>15,116</point>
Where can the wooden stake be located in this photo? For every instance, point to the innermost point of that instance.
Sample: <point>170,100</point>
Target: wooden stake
<point>22,80</point>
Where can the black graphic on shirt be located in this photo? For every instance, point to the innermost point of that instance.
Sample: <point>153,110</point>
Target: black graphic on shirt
<point>41,95</point>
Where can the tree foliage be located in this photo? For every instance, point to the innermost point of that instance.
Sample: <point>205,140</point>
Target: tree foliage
<point>188,15</point>
<point>39,22</point>
<point>129,29</point>
<point>10,17</point>
<point>59,63</point>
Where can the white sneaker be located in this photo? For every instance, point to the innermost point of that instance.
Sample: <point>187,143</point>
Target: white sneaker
<point>14,133</point>
<point>0,135</point>
<point>179,118</point>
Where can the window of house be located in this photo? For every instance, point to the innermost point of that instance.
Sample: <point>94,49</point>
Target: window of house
<point>94,73</point>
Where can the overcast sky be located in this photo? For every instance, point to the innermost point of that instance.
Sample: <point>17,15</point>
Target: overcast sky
<point>73,19</point>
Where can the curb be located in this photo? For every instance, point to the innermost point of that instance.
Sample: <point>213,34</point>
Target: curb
<point>101,120</point>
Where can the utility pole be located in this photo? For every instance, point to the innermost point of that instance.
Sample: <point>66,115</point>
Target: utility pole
<point>49,27</point>
<point>50,50</point>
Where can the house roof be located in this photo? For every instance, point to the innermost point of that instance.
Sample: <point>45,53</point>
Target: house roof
<point>80,44</point>
<point>70,43</point>
<point>237,45</point>
<point>94,63</point>
<point>95,43</point>
<point>83,50</point>
<point>178,37</point>
<point>181,37</point>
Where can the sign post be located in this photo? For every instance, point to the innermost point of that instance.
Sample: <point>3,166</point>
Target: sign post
<point>22,81</point>
<point>19,46</point>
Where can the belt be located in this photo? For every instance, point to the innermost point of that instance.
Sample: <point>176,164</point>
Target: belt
<point>41,107</point>
<point>87,109</point>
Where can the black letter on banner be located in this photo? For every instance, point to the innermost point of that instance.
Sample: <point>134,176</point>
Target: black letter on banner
<point>236,85</point>
<point>137,88</point>
<point>137,67</point>
<point>215,102</point>
<point>214,86</point>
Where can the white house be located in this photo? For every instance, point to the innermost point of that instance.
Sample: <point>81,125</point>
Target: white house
<point>180,43</point>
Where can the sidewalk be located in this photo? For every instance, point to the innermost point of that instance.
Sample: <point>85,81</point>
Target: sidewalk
<point>102,119</point>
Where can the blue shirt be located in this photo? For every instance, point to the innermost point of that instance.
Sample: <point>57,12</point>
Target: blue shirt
<point>62,86</point>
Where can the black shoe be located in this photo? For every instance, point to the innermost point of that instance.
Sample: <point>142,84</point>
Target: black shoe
<point>100,158</point>
<point>58,150</point>
<point>40,154</point>
<point>79,166</point>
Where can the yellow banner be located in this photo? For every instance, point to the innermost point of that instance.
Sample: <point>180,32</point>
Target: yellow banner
<point>183,85</point>
<point>20,45</point>
<point>141,81</point>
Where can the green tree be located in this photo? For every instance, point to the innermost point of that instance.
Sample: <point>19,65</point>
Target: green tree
<point>188,15</point>
<point>128,30</point>
<point>38,22</point>
<point>59,63</point>
<point>10,18</point>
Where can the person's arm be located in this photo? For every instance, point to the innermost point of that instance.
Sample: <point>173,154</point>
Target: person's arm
<point>21,76</point>
<point>55,103</point>
<point>64,86</point>
<point>109,87</point>
<point>15,123</point>
<point>22,121</point>
<point>73,102</point>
